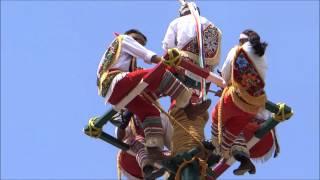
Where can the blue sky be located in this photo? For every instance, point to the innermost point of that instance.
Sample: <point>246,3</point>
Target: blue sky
<point>50,51</point>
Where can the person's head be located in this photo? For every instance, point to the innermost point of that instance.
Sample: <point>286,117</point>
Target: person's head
<point>184,9</point>
<point>137,35</point>
<point>254,39</point>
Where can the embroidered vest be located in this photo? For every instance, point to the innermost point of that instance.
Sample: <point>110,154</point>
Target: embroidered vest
<point>247,86</point>
<point>211,37</point>
<point>104,76</point>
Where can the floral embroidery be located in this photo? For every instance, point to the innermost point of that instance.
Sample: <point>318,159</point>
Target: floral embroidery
<point>109,57</point>
<point>210,43</point>
<point>108,60</point>
<point>247,76</point>
<point>106,84</point>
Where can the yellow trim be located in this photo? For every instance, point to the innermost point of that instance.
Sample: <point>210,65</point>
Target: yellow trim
<point>93,131</point>
<point>116,58</point>
<point>240,96</point>
<point>280,115</point>
<point>208,61</point>
<point>118,166</point>
<point>181,167</point>
<point>241,103</point>
<point>220,108</point>
<point>214,61</point>
<point>104,75</point>
<point>173,60</point>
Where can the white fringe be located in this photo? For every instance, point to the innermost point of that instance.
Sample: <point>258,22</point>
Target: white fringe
<point>128,175</point>
<point>267,156</point>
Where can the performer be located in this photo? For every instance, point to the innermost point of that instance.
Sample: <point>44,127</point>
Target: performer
<point>244,70</point>
<point>115,81</point>
<point>131,132</point>
<point>182,34</point>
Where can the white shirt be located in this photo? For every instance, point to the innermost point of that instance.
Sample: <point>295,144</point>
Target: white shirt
<point>181,30</point>
<point>130,47</point>
<point>259,62</point>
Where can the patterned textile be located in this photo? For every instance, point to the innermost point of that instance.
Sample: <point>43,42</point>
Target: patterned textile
<point>170,86</point>
<point>153,132</point>
<point>105,82</point>
<point>137,146</point>
<point>233,122</point>
<point>109,57</point>
<point>211,42</point>
<point>246,75</point>
<point>104,78</point>
<point>237,143</point>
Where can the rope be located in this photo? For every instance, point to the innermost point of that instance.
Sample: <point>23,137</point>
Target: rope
<point>220,108</point>
<point>281,115</point>
<point>202,163</point>
<point>118,166</point>
<point>173,61</point>
<point>180,139</point>
<point>92,130</point>
<point>183,164</point>
<point>171,118</point>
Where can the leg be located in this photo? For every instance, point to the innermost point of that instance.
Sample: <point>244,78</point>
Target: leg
<point>241,153</point>
<point>233,122</point>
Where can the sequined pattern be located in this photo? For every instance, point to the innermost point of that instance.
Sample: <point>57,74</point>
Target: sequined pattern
<point>108,57</point>
<point>247,76</point>
<point>210,43</point>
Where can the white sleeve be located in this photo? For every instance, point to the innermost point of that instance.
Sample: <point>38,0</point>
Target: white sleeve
<point>132,47</point>
<point>169,40</point>
<point>226,68</point>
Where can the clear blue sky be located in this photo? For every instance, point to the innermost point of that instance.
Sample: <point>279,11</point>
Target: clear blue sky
<point>49,55</point>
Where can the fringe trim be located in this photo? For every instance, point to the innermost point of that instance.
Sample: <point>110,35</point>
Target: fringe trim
<point>128,175</point>
<point>265,157</point>
<point>272,150</point>
<point>276,142</point>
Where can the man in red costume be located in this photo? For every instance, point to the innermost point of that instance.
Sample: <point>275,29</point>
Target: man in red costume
<point>116,78</point>
<point>244,70</point>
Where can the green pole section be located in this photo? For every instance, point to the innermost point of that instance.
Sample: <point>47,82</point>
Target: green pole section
<point>266,127</point>
<point>274,108</point>
<point>110,139</point>
<point>105,118</point>
<point>270,123</point>
<point>101,121</point>
<point>191,171</point>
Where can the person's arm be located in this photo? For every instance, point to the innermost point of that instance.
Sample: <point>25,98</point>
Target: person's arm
<point>169,40</point>
<point>132,47</point>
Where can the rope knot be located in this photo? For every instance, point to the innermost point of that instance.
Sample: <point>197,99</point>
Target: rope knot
<point>91,129</point>
<point>174,57</point>
<point>281,115</point>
